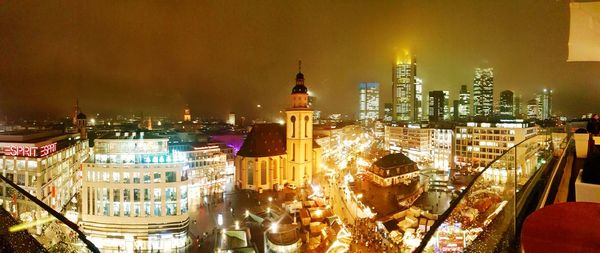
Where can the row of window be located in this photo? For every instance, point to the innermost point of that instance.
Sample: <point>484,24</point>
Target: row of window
<point>129,177</point>
<point>133,197</point>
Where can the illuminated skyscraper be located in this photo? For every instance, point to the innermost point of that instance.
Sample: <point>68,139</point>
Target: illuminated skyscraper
<point>369,101</point>
<point>483,92</point>
<point>464,102</point>
<point>406,91</point>
<point>544,103</point>
<point>507,103</point>
<point>517,106</point>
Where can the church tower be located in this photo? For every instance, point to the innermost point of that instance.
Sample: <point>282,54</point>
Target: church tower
<point>299,134</point>
<point>187,116</point>
<point>75,113</point>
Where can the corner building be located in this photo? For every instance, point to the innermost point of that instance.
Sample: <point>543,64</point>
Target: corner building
<point>47,164</point>
<point>135,194</point>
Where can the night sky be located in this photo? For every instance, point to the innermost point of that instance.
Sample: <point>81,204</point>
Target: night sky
<point>125,57</point>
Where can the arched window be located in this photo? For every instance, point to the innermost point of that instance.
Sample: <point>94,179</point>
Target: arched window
<point>306,126</point>
<point>293,120</point>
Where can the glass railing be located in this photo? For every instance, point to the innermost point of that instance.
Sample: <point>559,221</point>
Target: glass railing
<point>29,225</point>
<point>486,216</point>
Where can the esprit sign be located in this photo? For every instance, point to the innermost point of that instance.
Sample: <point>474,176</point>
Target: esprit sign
<point>31,151</point>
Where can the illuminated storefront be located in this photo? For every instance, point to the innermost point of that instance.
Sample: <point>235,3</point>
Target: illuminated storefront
<point>44,163</point>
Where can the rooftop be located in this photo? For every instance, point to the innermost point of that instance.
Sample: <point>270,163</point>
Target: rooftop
<point>264,140</point>
<point>392,161</point>
<point>133,135</point>
<point>29,136</point>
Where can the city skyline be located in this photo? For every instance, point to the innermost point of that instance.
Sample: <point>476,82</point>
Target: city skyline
<point>170,57</point>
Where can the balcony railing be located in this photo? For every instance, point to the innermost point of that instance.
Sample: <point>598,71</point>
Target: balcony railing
<point>487,215</point>
<point>48,228</point>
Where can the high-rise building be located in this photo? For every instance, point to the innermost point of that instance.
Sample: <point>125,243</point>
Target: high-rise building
<point>418,99</point>
<point>387,112</point>
<point>483,92</point>
<point>405,90</point>
<point>436,105</point>
<point>506,103</point>
<point>518,106</point>
<point>455,106</point>
<point>544,100</point>
<point>231,119</point>
<point>464,102</point>
<point>532,109</point>
<point>369,101</point>
<point>446,105</point>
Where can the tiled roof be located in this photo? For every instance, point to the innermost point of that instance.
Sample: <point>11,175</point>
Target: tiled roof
<point>393,165</point>
<point>393,160</point>
<point>264,140</point>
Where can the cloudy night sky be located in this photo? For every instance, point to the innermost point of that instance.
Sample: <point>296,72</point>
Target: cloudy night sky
<point>123,57</point>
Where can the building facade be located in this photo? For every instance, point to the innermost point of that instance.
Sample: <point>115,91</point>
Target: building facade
<point>436,105</point>
<point>507,103</point>
<point>483,92</point>
<point>47,164</point>
<point>387,112</point>
<point>135,194</point>
<point>464,103</point>
<point>392,169</point>
<point>544,104</point>
<point>406,91</point>
<point>412,140</point>
<point>369,101</point>
<point>478,144</point>
<point>442,140</point>
<point>532,109</point>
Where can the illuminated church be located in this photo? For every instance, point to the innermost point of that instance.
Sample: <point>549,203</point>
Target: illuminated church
<point>274,155</point>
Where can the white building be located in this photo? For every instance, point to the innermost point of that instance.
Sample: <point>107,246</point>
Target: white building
<point>442,148</point>
<point>412,140</point>
<point>427,146</point>
<point>44,163</point>
<point>478,144</point>
<point>135,194</point>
